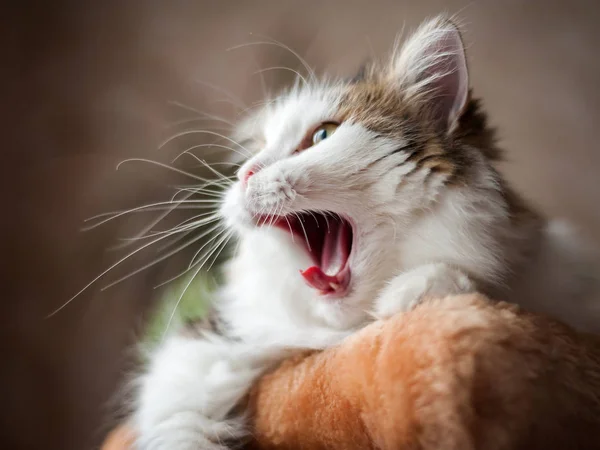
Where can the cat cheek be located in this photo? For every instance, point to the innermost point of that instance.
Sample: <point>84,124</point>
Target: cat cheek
<point>234,210</point>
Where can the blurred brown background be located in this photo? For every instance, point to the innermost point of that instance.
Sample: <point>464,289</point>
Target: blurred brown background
<point>86,84</point>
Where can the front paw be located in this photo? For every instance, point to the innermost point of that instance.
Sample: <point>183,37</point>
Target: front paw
<point>190,430</point>
<point>409,289</point>
<point>187,395</point>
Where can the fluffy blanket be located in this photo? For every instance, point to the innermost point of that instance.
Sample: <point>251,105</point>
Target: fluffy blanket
<point>455,373</point>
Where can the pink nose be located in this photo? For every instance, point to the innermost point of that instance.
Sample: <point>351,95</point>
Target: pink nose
<point>246,174</point>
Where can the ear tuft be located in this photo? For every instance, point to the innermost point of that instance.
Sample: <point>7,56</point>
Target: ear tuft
<point>431,68</point>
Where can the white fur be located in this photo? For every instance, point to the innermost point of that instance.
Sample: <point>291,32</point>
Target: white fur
<point>420,239</point>
<point>405,291</point>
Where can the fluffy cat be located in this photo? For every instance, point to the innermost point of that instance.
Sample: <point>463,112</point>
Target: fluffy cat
<point>363,198</point>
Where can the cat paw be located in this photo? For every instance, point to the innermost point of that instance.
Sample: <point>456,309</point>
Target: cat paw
<point>187,396</point>
<point>407,290</point>
<point>190,431</point>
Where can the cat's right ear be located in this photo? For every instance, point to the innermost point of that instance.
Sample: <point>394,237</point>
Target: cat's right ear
<point>431,70</point>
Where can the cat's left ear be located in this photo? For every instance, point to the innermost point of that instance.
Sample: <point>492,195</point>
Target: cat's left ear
<point>431,70</point>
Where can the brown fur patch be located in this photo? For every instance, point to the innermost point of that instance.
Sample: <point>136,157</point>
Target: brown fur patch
<point>378,105</point>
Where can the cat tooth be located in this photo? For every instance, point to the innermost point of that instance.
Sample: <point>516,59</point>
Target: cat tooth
<point>334,286</point>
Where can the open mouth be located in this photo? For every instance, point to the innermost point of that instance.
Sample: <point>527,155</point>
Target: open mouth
<point>328,239</point>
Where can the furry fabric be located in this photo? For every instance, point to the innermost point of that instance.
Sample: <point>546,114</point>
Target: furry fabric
<point>455,373</point>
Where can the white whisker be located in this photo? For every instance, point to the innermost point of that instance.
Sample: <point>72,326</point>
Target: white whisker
<point>313,216</point>
<point>161,258</point>
<point>215,171</point>
<point>289,69</point>
<point>199,112</point>
<point>195,257</point>
<point>180,298</point>
<point>114,215</point>
<point>180,236</point>
<point>206,193</point>
<point>155,222</point>
<point>236,101</point>
<point>202,187</point>
<point>166,166</point>
<point>203,118</point>
<point>290,227</point>
<point>304,231</point>
<point>212,133</point>
<point>274,213</point>
<point>191,266</point>
<point>276,43</point>
<point>120,261</point>
<point>223,246</point>
<point>186,225</point>
<point>183,234</point>
<point>188,151</point>
<point>188,284</point>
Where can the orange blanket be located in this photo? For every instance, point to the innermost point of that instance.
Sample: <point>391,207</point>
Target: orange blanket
<point>457,373</point>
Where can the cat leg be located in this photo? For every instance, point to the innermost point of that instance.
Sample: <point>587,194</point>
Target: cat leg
<point>408,289</point>
<point>186,397</point>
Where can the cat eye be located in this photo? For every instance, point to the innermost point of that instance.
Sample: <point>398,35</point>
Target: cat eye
<point>323,132</point>
<point>320,133</point>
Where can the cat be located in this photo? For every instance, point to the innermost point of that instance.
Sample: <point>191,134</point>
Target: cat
<point>362,198</point>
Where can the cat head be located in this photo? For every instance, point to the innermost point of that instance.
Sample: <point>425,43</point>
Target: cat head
<point>344,167</point>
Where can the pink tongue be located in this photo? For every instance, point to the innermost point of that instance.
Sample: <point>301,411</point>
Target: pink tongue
<point>318,279</point>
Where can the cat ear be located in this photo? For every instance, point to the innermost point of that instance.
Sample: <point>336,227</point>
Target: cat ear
<point>431,69</point>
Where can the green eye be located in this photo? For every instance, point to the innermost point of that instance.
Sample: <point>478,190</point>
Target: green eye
<point>323,132</point>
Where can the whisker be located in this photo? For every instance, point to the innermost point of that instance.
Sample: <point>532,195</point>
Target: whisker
<point>193,260</point>
<point>276,43</point>
<point>180,236</point>
<point>215,171</point>
<point>183,226</point>
<point>158,208</point>
<point>188,284</point>
<point>191,266</point>
<point>216,256</point>
<point>185,233</point>
<point>120,261</point>
<point>115,215</point>
<point>258,103</point>
<point>289,69</point>
<point>155,222</point>
<point>161,258</point>
<point>166,166</point>
<point>263,84</point>
<point>203,118</point>
<point>225,163</point>
<point>327,222</point>
<point>237,101</point>
<point>304,231</point>
<point>218,247</point>
<point>188,151</point>
<point>199,121</point>
<point>199,112</point>
<point>313,216</point>
<point>212,133</point>
<point>207,193</point>
<point>274,214</point>
<point>196,272</point>
<point>290,227</point>
<point>202,187</point>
